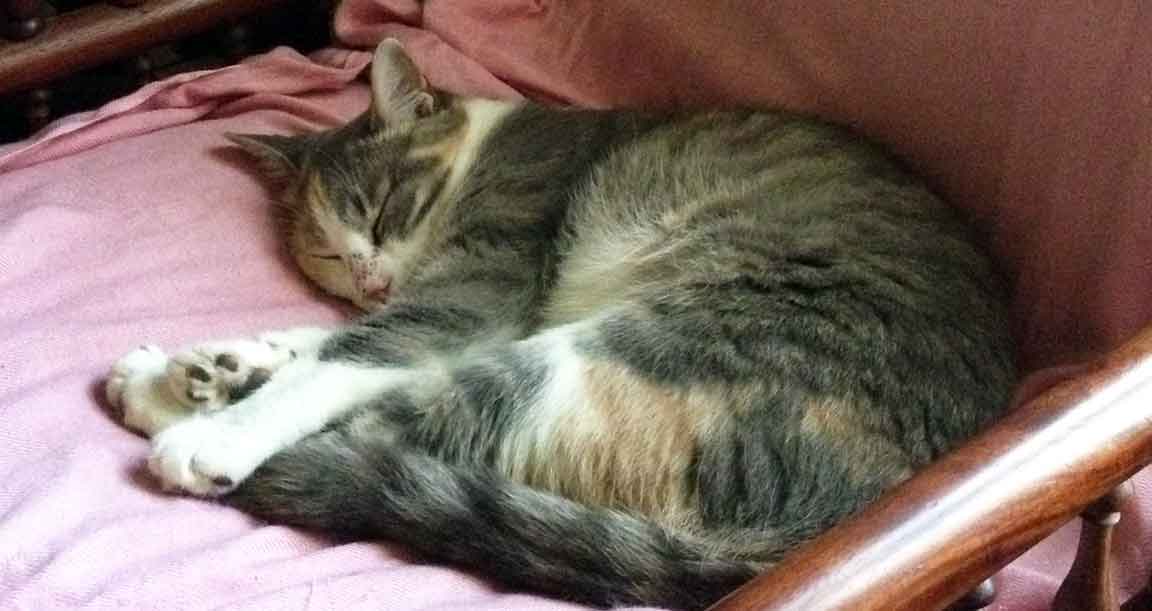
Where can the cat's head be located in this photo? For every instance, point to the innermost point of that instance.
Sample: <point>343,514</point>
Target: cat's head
<point>359,196</point>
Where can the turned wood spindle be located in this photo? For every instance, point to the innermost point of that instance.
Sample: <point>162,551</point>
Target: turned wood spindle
<point>1142,601</point>
<point>25,18</point>
<point>1089,585</point>
<point>236,38</point>
<point>143,69</point>
<point>978,598</point>
<point>37,108</point>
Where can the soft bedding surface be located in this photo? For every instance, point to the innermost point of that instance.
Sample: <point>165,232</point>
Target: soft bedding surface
<point>134,223</point>
<point>165,237</point>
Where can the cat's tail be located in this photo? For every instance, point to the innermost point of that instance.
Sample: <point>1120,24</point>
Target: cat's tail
<point>522,537</point>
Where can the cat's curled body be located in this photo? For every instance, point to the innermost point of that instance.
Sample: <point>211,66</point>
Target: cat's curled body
<point>626,357</point>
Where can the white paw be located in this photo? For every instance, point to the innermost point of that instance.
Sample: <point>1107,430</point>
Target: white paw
<point>203,456</point>
<point>143,361</point>
<point>212,376</point>
<point>138,386</point>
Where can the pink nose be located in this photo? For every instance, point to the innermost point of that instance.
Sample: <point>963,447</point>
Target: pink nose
<point>379,293</point>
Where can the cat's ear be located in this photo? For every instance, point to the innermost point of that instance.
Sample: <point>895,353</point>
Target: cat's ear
<point>279,156</point>
<point>399,93</point>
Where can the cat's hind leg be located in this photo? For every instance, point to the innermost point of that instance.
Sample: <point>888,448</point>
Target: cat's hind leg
<point>368,487</point>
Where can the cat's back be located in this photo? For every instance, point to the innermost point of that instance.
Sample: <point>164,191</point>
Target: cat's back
<point>748,193</point>
<point>803,251</point>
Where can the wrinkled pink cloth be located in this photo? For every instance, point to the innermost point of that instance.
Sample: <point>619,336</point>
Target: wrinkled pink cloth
<point>115,225</point>
<point>137,223</point>
<point>260,82</point>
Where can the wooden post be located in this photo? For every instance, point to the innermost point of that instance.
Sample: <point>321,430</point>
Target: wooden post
<point>1089,585</point>
<point>974,600</point>
<point>26,18</point>
<point>37,108</point>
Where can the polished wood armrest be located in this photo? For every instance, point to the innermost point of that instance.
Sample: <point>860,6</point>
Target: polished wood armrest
<point>960,520</point>
<point>61,58</point>
<point>102,32</point>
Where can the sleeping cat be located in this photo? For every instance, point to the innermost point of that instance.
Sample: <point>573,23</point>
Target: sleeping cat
<point>617,357</point>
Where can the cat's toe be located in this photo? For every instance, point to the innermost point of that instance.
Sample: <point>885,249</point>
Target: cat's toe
<point>201,457</point>
<point>143,362</point>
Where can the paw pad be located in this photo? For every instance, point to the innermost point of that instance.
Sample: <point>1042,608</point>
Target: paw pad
<point>213,376</point>
<point>197,372</point>
<point>227,362</point>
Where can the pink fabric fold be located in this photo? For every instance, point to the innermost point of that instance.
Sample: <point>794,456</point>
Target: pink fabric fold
<point>164,237</point>
<point>264,81</point>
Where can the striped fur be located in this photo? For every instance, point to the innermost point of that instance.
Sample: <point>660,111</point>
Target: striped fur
<point>650,352</point>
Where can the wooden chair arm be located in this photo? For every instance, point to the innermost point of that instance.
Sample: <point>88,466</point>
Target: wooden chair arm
<point>95,34</point>
<point>938,535</point>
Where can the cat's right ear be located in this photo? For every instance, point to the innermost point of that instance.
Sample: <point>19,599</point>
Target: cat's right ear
<point>400,95</point>
<point>279,156</point>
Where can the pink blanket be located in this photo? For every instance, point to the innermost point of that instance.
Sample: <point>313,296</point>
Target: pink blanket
<point>134,223</point>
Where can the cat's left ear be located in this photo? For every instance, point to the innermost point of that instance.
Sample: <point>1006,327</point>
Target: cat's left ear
<point>399,93</point>
<point>280,156</point>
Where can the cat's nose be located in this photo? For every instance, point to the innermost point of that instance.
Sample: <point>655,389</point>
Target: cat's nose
<point>379,293</point>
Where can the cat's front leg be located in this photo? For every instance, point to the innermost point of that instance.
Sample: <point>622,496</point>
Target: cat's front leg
<point>215,375</point>
<point>153,390</point>
<point>217,410</point>
<point>210,453</point>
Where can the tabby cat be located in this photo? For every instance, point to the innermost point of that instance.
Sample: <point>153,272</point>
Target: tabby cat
<point>617,357</point>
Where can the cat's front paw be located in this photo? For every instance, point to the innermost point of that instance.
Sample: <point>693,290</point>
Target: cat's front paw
<point>138,387</point>
<point>202,456</point>
<point>213,376</point>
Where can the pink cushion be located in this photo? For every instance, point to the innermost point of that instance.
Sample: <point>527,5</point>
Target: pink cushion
<point>138,223</point>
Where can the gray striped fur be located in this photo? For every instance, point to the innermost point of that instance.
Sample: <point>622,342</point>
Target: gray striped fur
<point>661,349</point>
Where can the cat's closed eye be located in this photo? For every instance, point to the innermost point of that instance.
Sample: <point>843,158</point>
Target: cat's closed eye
<point>325,257</point>
<point>379,224</point>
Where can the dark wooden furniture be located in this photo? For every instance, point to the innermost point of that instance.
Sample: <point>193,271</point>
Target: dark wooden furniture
<point>60,57</point>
